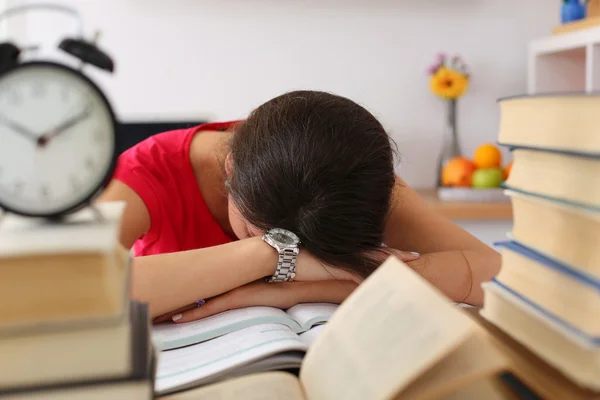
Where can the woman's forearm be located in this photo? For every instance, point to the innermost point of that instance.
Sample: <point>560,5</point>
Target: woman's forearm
<point>459,274</point>
<point>169,281</point>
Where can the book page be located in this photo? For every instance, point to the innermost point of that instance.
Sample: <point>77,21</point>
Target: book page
<point>311,335</point>
<point>309,314</point>
<point>169,335</point>
<point>265,386</point>
<point>209,361</point>
<point>389,331</point>
<point>475,359</point>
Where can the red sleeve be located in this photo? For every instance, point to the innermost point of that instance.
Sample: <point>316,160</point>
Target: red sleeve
<point>147,168</point>
<point>155,169</point>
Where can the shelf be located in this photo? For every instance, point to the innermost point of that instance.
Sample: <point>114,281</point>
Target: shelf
<point>565,42</point>
<point>568,62</point>
<point>459,210</point>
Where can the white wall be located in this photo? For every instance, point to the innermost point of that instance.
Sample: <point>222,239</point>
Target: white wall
<point>221,58</point>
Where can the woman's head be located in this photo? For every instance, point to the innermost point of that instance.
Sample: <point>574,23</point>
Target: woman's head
<point>318,165</point>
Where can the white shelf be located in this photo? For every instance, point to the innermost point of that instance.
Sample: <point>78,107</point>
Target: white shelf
<point>565,62</point>
<point>565,41</point>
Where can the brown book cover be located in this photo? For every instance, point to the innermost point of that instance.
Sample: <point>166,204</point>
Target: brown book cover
<point>142,365</point>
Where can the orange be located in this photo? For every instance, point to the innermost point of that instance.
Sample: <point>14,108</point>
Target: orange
<point>487,156</point>
<point>458,172</point>
<point>507,170</point>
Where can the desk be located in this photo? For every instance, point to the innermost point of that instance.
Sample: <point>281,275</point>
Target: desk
<point>489,222</point>
<point>462,210</point>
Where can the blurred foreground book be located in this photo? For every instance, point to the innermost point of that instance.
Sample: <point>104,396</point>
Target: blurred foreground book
<point>547,294</point>
<point>68,328</point>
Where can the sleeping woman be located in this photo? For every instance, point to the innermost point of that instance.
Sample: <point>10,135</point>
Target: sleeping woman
<point>297,203</point>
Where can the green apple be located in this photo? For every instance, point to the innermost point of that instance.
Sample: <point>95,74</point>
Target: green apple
<point>487,178</point>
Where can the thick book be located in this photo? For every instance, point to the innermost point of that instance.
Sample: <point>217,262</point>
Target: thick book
<point>134,387</point>
<point>563,346</point>
<point>566,232</point>
<point>299,318</point>
<point>565,292</point>
<point>567,176</point>
<point>80,353</point>
<point>530,377</point>
<point>560,121</point>
<point>396,335</point>
<point>63,270</point>
<point>263,347</point>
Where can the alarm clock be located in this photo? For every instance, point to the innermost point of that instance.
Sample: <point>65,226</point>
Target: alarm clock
<point>57,129</point>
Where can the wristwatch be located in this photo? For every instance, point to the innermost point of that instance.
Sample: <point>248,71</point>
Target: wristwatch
<point>286,243</point>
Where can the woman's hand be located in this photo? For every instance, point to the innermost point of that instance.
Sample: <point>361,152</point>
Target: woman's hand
<point>280,295</point>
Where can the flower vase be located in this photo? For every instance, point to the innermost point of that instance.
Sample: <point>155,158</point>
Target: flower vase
<point>450,145</point>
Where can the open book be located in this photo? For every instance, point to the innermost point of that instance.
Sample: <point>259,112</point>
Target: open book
<point>396,335</point>
<point>298,319</point>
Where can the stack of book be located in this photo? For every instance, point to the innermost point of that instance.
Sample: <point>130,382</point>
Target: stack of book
<point>68,328</point>
<point>547,293</point>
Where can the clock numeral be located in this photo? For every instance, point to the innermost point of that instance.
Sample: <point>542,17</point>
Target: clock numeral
<point>89,163</point>
<point>44,191</point>
<point>39,89</point>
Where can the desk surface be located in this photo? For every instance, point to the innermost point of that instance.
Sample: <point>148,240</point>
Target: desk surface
<point>462,210</point>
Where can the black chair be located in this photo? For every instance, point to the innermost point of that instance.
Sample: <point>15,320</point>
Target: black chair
<point>131,133</point>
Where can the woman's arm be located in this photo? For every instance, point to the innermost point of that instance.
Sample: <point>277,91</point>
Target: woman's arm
<point>454,260</point>
<point>281,295</point>
<point>170,281</point>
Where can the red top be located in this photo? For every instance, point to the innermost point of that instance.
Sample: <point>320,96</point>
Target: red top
<point>159,170</point>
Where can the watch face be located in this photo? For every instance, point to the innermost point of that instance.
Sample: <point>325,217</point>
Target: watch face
<point>57,139</point>
<point>284,237</point>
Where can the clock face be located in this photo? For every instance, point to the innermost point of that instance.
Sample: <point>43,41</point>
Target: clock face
<point>57,139</point>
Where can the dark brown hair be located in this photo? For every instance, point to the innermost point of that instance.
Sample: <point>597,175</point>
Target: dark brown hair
<point>320,166</point>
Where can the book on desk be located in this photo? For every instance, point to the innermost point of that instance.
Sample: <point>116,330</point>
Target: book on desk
<point>547,295</point>
<point>68,328</point>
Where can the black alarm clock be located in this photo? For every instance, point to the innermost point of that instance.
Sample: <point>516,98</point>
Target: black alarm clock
<point>57,128</point>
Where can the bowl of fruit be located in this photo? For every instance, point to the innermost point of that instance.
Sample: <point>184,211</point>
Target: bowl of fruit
<point>478,179</point>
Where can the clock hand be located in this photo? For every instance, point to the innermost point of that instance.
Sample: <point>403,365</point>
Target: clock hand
<point>20,129</point>
<point>64,126</point>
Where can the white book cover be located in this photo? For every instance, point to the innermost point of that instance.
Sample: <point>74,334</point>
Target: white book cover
<point>80,232</point>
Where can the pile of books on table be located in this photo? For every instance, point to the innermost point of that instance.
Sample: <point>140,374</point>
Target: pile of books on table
<point>547,294</point>
<point>68,328</point>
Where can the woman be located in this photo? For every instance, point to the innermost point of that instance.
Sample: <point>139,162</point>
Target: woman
<point>319,166</point>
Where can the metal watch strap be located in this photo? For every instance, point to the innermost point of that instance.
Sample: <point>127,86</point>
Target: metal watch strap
<point>286,266</point>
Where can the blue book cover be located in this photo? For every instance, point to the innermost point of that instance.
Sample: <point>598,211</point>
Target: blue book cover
<point>571,153</point>
<point>570,272</point>
<point>549,318</point>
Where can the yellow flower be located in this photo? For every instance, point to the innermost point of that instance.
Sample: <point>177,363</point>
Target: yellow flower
<point>448,83</point>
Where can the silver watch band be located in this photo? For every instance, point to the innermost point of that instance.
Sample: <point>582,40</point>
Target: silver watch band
<point>286,266</point>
